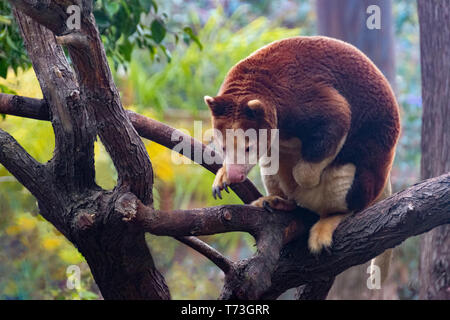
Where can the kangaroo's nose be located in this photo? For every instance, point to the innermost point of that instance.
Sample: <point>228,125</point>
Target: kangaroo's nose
<point>235,173</point>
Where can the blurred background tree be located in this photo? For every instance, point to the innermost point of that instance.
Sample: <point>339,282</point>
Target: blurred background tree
<point>166,56</point>
<point>435,61</point>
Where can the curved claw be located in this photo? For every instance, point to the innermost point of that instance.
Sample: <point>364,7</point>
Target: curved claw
<point>225,187</point>
<point>216,193</point>
<point>267,206</point>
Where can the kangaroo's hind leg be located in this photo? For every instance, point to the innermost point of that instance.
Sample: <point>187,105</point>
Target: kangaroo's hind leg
<point>321,234</point>
<point>329,200</point>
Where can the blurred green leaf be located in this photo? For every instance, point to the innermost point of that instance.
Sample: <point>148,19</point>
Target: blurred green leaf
<point>6,89</point>
<point>190,33</point>
<point>3,68</point>
<point>166,53</point>
<point>5,20</point>
<point>112,8</point>
<point>11,43</point>
<point>158,30</point>
<point>125,49</point>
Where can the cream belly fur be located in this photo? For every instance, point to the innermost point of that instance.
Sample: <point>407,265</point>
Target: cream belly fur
<point>324,196</point>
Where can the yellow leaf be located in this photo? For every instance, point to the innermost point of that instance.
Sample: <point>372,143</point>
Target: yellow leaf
<point>70,256</point>
<point>51,244</point>
<point>12,230</point>
<point>22,224</point>
<point>10,289</point>
<point>26,223</point>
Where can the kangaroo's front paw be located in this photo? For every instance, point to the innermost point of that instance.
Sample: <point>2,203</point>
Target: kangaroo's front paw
<point>273,203</point>
<point>220,183</point>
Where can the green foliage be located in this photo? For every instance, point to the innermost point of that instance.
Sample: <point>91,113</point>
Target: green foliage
<point>183,84</point>
<point>127,25</point>
<point>124,26</point>
<point>12,51</point>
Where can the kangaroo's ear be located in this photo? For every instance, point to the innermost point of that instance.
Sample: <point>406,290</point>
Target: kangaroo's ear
<point>217,105</point>
<point>209,101</point>
<point>254,109</point>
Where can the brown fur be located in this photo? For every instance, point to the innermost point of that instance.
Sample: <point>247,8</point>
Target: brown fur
<point>331,97</point>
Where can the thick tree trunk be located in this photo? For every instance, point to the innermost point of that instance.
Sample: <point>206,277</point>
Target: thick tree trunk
<point>347,20</point>
<point>434,18</point>
<point>84,102</point>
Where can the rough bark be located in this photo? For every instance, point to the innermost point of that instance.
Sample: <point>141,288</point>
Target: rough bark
<point>365,235</point>
<point>82,103</point>
<point>434,19</point>
<point>282,260</point>
<point>269,273</point>
<point>317,290</point>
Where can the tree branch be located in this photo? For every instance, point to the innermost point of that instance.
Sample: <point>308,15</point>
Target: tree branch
<point>121,140</point>
<point>147,128</point>
<point>24,107</point>
<point>79,107</point>
<point>51,14</point>
<point>282,260</point>
<point>358,238</point>
<point>225,264</point>
<point>317,290</point>
<point>97,91</point>
<point>367,234</point>
<point>29,172</point>
<point>271,231</point>
<point>162,133</point>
